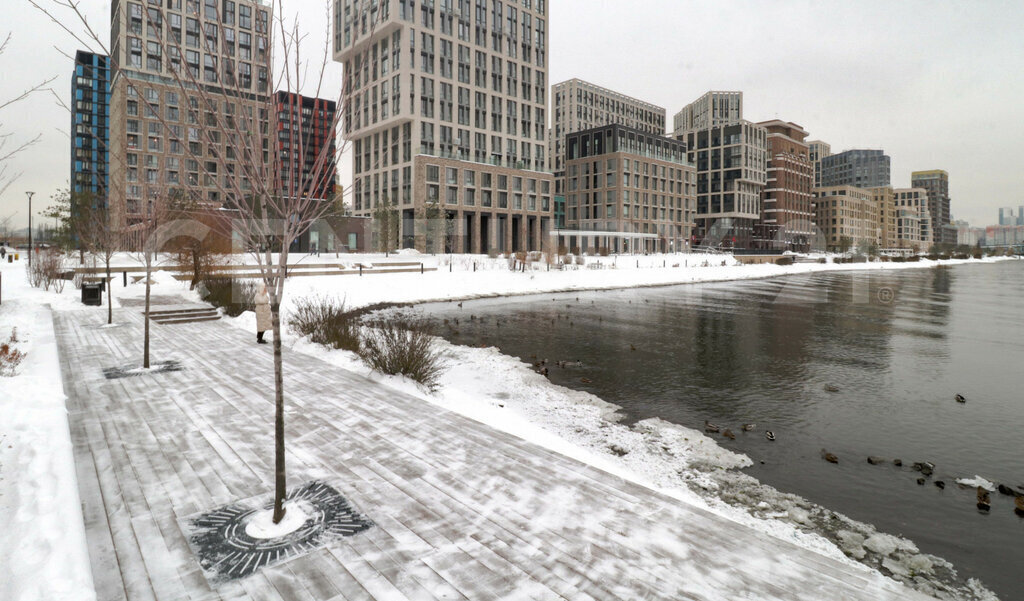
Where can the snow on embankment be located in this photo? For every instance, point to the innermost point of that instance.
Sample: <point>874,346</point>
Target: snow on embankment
<point>42,538</point>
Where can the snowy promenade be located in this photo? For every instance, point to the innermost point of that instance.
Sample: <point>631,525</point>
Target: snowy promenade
<point>461,511</point>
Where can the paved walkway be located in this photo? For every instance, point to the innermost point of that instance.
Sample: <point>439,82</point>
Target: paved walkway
<point>461,511</point>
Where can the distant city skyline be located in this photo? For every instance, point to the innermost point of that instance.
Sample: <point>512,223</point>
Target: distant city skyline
<point>917,80</point>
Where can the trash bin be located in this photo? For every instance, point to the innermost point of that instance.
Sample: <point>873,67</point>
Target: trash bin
<point>92,294</point>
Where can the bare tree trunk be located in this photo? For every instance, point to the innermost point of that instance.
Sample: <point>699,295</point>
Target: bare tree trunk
<point>145,347</point>
<point>279,467</point>
<point>110,300</point>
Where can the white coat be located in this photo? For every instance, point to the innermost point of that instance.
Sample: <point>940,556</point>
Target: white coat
<point>264,321</point>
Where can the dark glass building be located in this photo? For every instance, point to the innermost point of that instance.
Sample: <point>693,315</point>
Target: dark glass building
<point>860,168</point>
<point>90,126</point>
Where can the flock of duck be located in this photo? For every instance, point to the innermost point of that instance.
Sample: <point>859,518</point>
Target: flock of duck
<point>925,468</point>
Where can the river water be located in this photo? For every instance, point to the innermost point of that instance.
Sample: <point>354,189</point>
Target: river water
<point>894,347</point>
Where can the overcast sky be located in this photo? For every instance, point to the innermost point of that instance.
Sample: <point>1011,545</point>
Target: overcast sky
<point>935,84</point>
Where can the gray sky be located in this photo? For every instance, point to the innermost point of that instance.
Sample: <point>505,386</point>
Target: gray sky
<point>937,85</point>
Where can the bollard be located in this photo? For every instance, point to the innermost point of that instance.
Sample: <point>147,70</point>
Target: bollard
<point>421,268</point>
<point>474,266</point>
<point>449,266</point>
<point>124,279</point>
<point>663,262</point>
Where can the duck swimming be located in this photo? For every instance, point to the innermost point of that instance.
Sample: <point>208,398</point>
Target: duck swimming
<point>710,427</point>
<point>960,398</point>
<point>769,435</point>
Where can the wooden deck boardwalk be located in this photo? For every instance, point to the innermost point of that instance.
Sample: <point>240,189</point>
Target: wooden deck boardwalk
<point>461,511</point>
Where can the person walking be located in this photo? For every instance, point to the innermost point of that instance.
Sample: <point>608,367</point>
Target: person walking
<point>264,320</point>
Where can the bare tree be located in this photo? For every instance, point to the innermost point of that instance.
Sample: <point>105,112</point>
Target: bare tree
<point>5,228</point>
<point>274,197</point>
<point>9,147</point>
<point>102,237</point>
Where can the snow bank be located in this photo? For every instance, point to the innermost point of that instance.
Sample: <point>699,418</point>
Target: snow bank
<point>42,537</point>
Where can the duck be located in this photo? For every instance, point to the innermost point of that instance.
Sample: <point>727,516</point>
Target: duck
<point>1019,502</point>
<point>831,388</point>
<point>749,427</point>
<point>984,500</point>
<point>960,398</point>
<point>728,434</point>
<point>586,380</point>
<point>769,435</point>
<point>710,427</point>
<point>632,348</point>
<point>940,484</point>
<point>829,457</point>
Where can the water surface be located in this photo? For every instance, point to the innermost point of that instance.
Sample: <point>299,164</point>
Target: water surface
<point>897,345</point>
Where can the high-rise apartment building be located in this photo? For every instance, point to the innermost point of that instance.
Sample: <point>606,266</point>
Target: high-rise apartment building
<point>936,182</point>
<point>787,207</point>
<point>578,105</point>
<point>888,222</point>
<point>712,109</point>
<point>859,168</point>
<point>452,90</point>
<point>628,190</point>
<point>731,158</point>
<point>847,216</point>
<point>914,223</point>
<point>305,135</point>
<point>817,151</point>
<point>220,45</point>
<point>1006,216</point>
<point>90,126</point>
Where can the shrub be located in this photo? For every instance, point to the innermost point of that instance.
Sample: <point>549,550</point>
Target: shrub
<point>603,251</point>
<point>10,357</point>
<point>784,261</point>
<point>403,346</point>
<point>823,260</point>
<point>234,296</point>
<point>326,322</point>
<point>913,259</point>
<point>47,269</point>
<point>492,253</point>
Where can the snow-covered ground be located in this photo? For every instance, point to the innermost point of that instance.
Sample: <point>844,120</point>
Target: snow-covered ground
<point>42,544</point>
<point>43,554</point>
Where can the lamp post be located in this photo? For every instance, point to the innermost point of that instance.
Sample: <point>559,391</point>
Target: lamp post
<point>29,194</point>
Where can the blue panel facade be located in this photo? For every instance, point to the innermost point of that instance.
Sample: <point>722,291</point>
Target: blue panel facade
<point>90,125</point>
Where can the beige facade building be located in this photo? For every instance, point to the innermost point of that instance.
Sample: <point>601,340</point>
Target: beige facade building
<point>486,207</point>
<point>731,158</point>
<point>887,217</point>
<point>628,190</point>
<point>817,151</point>
<point>460,85</point>
<point>846,216</point>
<point>913,218</point>
<point>160,137</point>
<point>712,109</point>
<point>579,105</point>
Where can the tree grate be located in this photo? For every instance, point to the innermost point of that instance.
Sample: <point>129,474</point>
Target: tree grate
<point>227,553</point>
<point>133,370</point>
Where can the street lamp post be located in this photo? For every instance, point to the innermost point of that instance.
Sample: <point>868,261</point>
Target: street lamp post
<point>29,194</point>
